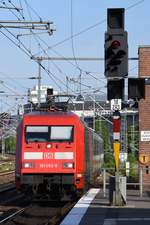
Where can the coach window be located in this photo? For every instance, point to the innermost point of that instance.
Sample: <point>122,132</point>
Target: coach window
<point>37,134</point>
<point>61,133</point>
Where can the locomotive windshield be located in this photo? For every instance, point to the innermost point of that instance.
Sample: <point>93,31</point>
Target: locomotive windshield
<point>61,133</point>
<point>48,133</point>
<point>37,134</point>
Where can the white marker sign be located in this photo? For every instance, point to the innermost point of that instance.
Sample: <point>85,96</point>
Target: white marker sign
<point>145,135</point>
<point>115,104</point>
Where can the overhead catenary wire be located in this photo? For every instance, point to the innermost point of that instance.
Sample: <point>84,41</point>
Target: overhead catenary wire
<point>75,35</point>
<point>51,48</point>
<point>13,79</point>
<point>58,68</point>
<point>136,4</point>
<point>28,53</point>
<point>20,45</point>
<point>34,11</point>
<point>13,5</point>
<point>22,13</point>
<point>10,89</point>
<point>87,29</point>
<point>71,64</point>
<point>75,66</point>
<point>4,3</point>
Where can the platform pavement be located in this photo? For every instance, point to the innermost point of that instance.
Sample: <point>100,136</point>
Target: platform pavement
<point>94,209</point>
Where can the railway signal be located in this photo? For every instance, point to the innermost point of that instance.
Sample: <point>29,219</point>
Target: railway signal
<point>116,69</point>
<point>116,47</point>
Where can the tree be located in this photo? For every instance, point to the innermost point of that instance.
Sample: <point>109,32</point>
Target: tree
<point>103,129</point>
<point>133,139</point>
<point>10,144</point>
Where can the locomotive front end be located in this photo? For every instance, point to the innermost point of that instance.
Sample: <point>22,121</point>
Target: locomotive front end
<point>51,156</point>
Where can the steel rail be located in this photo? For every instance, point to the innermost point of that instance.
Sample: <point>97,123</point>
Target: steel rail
<point>12,215</point>
<point>7,173</point>
<point>8,162</point>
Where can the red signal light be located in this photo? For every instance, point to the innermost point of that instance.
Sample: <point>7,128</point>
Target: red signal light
<point>115,44</point>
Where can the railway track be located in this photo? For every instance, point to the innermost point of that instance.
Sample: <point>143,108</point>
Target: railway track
<point>49,214</point>
<point>16,209</point>
<point>6,178</point>
<point>6,173</point>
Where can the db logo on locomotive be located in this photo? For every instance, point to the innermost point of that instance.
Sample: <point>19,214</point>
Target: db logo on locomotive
<point>48,155</point>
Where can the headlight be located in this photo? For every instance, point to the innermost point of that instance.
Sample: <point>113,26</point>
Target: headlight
<point>48,146</point>
<point>79,175</point>
<point>28,165</point>
<point>69,165</point>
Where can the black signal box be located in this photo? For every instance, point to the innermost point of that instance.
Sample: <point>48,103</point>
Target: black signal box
<point>116,45</point>
<point>136,88</point>
<point>49,91</point>
<point>115,18</point>
<point>115,89</point>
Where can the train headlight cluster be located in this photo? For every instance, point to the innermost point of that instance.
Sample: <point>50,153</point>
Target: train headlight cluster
<point>28,165</point>
<point>69,165</point>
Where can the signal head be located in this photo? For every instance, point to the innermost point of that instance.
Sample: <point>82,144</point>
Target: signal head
<point>115,44</point>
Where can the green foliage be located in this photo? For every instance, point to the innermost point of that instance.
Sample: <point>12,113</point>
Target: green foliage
<point>10,144</point>
<point>109,161</point>
<point>133,138</point>
<point>101,127</point>
<point>7,167</point>
<point>133,159</point>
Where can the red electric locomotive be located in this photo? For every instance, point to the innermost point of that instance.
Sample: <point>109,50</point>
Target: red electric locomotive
<point>56,154</point>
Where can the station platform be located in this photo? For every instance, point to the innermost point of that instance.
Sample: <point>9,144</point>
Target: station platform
<point>94,209</point>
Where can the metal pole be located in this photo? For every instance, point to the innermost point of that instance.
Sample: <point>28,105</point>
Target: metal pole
<point>67,83</point>
<point>80,80</point>
<point>3,145</point>
<point>104,182</point>
<point>94,115</point>
<point>83,108</point>
<point>133,135</point>
<point>3,139</point>
<point>141,182</point>
<point>118,200</point>
<point>77,58</point>
<point>39,83</point>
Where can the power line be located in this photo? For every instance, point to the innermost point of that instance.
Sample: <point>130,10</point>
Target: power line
<point>75,35</point>
<point>28,53</point>
<point>22,14</point>
<point>52,62</point>
<point>134,5</point>
<point>27,4</point>
<point>71,28</point>
<point>87,29</point>
<point>11,9</point>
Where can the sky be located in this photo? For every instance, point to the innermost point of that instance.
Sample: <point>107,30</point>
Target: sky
<point>69,17</point>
